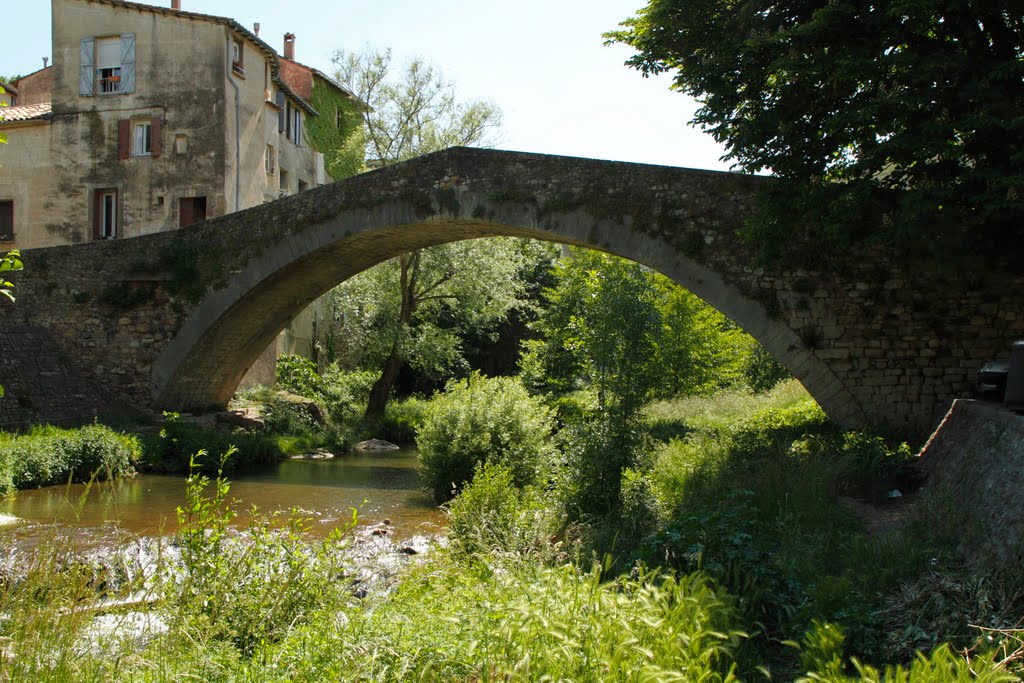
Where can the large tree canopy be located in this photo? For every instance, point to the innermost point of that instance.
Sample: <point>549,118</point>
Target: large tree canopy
<point>902,118</point>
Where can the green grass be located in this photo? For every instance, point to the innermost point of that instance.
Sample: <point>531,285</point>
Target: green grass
<point>50,455</point>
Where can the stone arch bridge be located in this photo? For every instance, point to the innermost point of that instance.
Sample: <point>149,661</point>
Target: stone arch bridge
<point>173,320</point>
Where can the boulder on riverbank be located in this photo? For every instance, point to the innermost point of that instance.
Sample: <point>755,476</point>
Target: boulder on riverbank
<point>374,446</point>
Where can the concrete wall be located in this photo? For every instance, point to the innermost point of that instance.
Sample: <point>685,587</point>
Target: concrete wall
<point>25,179</point>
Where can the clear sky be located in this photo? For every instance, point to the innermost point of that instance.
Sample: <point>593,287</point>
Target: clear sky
<point>543,62</point>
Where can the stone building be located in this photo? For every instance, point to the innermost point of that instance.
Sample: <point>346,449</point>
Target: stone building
<point>150,119</point>
<point>154,118</point>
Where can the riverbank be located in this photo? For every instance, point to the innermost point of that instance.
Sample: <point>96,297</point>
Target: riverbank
<point>747,560</point>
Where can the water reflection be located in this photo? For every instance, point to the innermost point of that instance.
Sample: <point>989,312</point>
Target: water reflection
<point>384,485</point>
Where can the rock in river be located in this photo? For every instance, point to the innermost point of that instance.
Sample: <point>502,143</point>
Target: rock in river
<point>375,446</point>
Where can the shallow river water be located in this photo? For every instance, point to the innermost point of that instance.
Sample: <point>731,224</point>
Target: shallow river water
<point>379,485</point>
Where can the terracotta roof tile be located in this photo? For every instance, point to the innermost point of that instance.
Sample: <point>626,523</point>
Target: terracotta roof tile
<point>26,112</point>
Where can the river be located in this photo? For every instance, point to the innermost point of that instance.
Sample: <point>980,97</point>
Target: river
<point>378,485</point>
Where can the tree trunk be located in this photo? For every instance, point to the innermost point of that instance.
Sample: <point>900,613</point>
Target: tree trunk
<point>381,390</point>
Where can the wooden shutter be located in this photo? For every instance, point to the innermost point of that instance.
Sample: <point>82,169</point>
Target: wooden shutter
<point>97,199</point>
<point>298,127</point>
<point>156,133</point>
<point>87,72</point>
<point>185,209</point>
<point>127,62</point>
<point>124,139</point>
<point>281,125</point>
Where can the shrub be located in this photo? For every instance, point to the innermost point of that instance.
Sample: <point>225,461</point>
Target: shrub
<point>762,371</point>
<point>249,589</point>
<point>299,376</point>
<point>50,455</point>
<point>491,514</point>
<point>402,419</point>
<point>171,450</point>
<point>482,419</point>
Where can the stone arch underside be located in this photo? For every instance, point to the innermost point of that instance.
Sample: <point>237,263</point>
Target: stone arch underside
<point>202,366</point>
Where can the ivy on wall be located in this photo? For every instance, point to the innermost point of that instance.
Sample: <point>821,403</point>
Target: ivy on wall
<point>342,146</point>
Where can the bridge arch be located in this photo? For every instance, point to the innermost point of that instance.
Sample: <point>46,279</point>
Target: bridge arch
<point>330,239</point>
<point>171,320</point>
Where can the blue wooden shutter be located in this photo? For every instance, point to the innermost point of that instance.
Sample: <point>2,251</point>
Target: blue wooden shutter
<point>298,127</point>
<point>87,72</point>
<point>127,62</point>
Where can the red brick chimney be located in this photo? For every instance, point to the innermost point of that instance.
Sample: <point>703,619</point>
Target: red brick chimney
<point>175,4</point>
<point>289,46</point>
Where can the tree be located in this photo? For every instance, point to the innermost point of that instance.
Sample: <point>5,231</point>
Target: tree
<point>415,308</point>
<point>414,111</point>
<point>391,314</point>
<point>898,120</point>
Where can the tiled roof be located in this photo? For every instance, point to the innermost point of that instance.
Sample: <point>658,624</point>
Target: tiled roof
<point>26,112</point>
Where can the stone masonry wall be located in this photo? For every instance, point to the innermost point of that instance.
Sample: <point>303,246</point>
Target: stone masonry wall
<point>177,317</point>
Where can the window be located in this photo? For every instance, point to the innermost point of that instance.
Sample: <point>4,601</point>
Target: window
<point>7,221</point>
<point>303,186</point>
<point>142,139</point>
<point>139,138</point>
<point>105,222</point>
<point>339,119</point>
<point>296,132</point>
<point>193,210</point>
<point>270,160</point>
<point>291,123</point>
<point>238,56</point>
<point>107,65</point>
<point>284,183</point>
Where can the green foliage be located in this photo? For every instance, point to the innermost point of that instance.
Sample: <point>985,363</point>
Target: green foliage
<point>9,263</point>
<point>50,455</point>
<point>342,145</point>
<point>403,418</point>
<point>299,375</point>
<point>171,450</point>
<point>478,420</point>
<point>521,622</point>
<point>762,372</point>
<point>898,120</point>
<point>416,309</point>
<point>414,111</point>
<point>248,591</point>
<point>491,515</point>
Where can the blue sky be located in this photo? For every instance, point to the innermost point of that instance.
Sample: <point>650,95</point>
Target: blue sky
<point>543,62</point>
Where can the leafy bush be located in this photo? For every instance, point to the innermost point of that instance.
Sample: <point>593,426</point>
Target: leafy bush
<point>482,419</point>
<point>774,430</point>
<point>762,371</point>
<point>171,450</point>
<point>492,514</point>
<point>299,375</point>
<point>283,416</point>
<point>403,418</point>
<point>50,455</point>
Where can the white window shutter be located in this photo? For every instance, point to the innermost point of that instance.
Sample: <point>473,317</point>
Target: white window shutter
<point>87,71</point>
<point>127,62</point>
